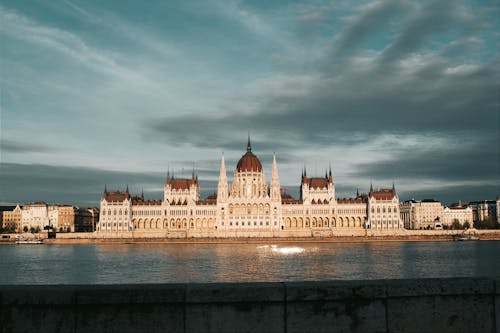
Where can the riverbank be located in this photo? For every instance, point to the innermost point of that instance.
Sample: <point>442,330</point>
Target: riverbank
<point>407,236</point>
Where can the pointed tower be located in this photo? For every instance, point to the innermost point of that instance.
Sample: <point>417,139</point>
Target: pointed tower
<point>304,186</point>
<point>275,182</point>
<point>222,194</point>
<point>249,146</point>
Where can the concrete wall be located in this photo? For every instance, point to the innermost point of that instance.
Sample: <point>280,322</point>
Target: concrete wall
<point>428,305</point>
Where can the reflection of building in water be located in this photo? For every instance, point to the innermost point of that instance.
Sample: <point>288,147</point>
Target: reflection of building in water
<point>248,206</point>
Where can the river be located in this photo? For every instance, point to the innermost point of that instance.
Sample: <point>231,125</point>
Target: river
<point>181,263</point>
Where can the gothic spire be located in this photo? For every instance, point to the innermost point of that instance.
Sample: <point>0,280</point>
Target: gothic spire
<point>249,146</point>
<point>222,186</point>
<point>222,174</point>
<point>275,181</point>
<point>275,168</point>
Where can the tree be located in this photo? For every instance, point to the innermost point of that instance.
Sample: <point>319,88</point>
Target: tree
<point>466,225</point>
<point>489,223</point>
<point>455,225</point>
<point>25,229</point>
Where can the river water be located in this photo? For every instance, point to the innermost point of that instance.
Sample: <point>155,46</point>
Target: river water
<point>181,263</point>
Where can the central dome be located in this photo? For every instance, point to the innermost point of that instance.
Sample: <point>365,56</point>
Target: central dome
<point>249,162</point>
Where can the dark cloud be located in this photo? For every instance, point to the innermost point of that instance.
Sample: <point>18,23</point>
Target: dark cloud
<point>457,161</point>
<point>436,18</point>
<point>369,20</point>
<point>20,183</point>
<point>23,183</point>
<point>452,194</point>
<point>22,147</point>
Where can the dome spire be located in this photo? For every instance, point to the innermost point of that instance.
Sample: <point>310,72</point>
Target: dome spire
<point>249,146</point>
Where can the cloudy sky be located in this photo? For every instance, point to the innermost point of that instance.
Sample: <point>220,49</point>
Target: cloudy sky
<point>107,92</point>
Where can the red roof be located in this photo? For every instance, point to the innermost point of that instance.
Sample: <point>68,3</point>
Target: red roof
<point>116,196</point>
<point>181,184</point>
<point>288,199</point>
<point>249,162</point>
<point>316,182</point>
<point>210,200</point>
<point>383,194</point>
<point>351,200</point>
<point>142,202</point>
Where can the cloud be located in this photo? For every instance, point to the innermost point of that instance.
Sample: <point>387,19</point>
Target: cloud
<point>23,183</point>
<point>17,147</point>
<point>452,193</point>
<point>368,20</point>
<point>456,160</point>
<point>314,80</point>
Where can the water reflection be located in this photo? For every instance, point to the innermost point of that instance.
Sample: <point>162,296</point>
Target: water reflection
<point>178,263</point>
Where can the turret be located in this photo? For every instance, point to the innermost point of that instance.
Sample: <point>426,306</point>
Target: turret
<point>275,182</point>
<point>222,187</point>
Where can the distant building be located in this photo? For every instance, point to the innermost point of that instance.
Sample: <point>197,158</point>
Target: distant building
<point>86,219</point>
<point>383,209</point>
<point>11,218</point>
<point>498,209</point>
<point>36,216</point>
<point>484,210</point>
<point>65,218</point>
<point>425,214</point>
<point>248,206</point>
<point>40,215</point>
<point>458,213</point>
<point>116,212</point>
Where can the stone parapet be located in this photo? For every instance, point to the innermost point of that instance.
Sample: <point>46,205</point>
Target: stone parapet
<point>415,305</point>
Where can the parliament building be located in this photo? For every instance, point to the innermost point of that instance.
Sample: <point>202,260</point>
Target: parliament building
<point>248,207</point>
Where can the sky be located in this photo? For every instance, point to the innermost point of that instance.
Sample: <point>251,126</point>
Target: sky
<point>118,93</point>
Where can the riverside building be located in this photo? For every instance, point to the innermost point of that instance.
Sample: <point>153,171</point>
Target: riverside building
<point>425,214</point>
<point>248,207</point>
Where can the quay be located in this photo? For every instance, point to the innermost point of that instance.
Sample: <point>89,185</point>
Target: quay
<point>168,238</point>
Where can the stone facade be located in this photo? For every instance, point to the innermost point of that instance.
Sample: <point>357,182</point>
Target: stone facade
<point>484,210</point>
<point>65,218</point>
<point>86,219</point>
<point>498,209</point>
<point>425,214</point>
<point>460,214</point>
<point>248,207</point>
<point>383,209</point>
<point>12,219</point>
<point>36,215</point>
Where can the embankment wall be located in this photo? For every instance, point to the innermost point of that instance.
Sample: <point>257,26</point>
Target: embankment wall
<point>420,305</point>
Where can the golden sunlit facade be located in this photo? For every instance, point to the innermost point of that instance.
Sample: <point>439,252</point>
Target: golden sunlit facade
<point>248,207</point>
